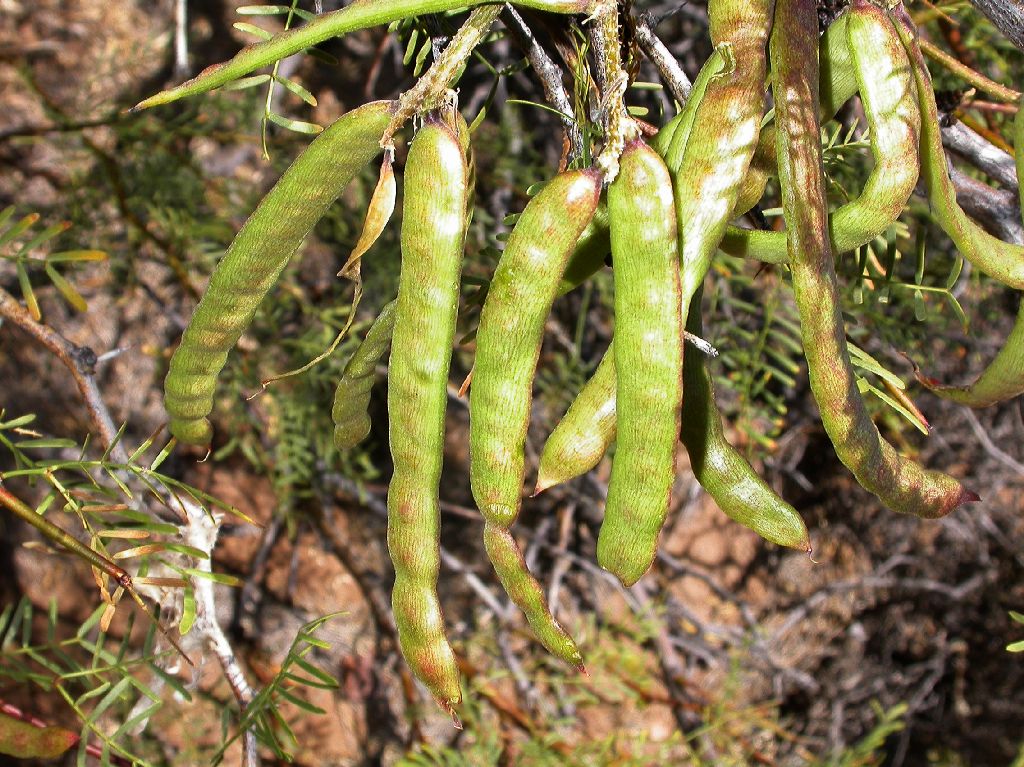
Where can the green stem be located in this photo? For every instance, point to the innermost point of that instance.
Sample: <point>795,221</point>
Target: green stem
<point>431,89</point>
<point>978,80</point>
<point>65,539</point>
<point>360,15</point>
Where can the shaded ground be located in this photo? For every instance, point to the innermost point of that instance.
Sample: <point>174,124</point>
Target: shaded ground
<point>891,610</point>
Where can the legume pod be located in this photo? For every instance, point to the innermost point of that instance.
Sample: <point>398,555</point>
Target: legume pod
<point>359,14</point>
<point>433,239</point>
<point>886,89</point>
<point>998,259</point>
<point>585,432</point>
<point>719,467</point>
<point>901,484</point>
<point>256,257</point>
<point>352,395</point>
<point>508,345</point>
<point>1003,379</point>
<point>648,361</point>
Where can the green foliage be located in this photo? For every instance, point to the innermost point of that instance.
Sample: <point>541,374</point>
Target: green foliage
<point>263,716</point>
<point>1016,646</point>
<point>99,677</point>
<point>103,678</point>
<point>869,751</point>
<point>20,246</point>
<point>275,79</point>
<point>753,324</point>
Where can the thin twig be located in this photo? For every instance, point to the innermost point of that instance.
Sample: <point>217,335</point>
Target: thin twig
<point>980,153</point>
<point>550,76</point>
<point>655,50</point>
<point>996,210</point>
<point>80,360</point>
<point>990,447</point>
<point>200,531</point>
<point>978,80</point>
<point>1007,16</point>
<point>180,38</point>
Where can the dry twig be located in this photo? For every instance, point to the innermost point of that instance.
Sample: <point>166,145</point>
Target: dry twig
<point>80,360</point>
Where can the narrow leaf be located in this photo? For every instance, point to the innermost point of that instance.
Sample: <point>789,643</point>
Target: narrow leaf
<point>27,293</point>
<point>18,228</point>
<point>71,295</point>
<point>294,125</point>
<point>297,89</point>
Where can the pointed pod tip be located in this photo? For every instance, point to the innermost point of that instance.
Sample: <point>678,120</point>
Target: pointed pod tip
<point>968,496</point>
<point>449,707</point>
<point>582,669</point>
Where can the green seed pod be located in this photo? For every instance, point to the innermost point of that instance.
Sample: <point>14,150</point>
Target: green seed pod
<point>884,80</point>
<point>837,85</point>
<point>23,740</point>
<point>648,361</point>
<point>510,334</point>
<point>524,591</point>
<point>590,253</point>
<point>670,142</point>
<point>901,484</point>
<point>998,259</point>
<point>588,430</point>
<point>433,239</point>
<point>585,433</point>
<point>352,397</point>
<point>508,346</point>
<point>719,467</point>
<point>256,257</point>
<point>722,141</point>
<point>1003,379</point>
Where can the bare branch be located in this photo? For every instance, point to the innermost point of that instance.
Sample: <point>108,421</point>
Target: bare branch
<point>678,83</point>
<point>1008,17</point>
<point>980,153</point>
<point>550,76</point>
<point>200,531</point>
<point>996,210</point>
<point>80,360</point>
<point>990,447</point>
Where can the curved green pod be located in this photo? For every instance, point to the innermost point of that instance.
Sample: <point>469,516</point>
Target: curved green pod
<point>1003,379</point>
<point>589,255</point>
<point>254,261</point>
<point>586,431</point>
<point>352,395</point>
<point>648,355</point>
<point>901,484</point>
<point>508,346</point>
<point>523,589</point>
<point>360,14</point>
<point>433,239</point>
<point>720,468</point>
<point>510,333</point>
<point>670,142</point>
<point>998,259</point>
<point>837,84</point>
<point>885,83</point>
<point>721,143</point>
